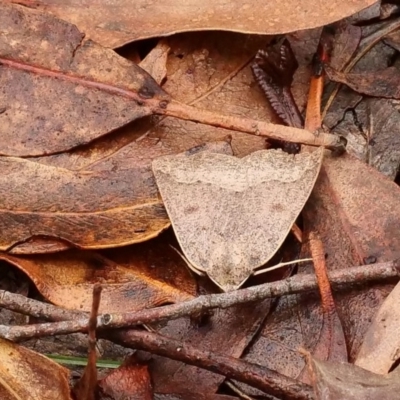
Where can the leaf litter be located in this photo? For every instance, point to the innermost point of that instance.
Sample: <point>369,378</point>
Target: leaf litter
<point>243,335</point>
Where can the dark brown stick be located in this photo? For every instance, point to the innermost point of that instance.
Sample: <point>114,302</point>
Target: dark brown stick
<point>78,321</point>
<point>255,375</point>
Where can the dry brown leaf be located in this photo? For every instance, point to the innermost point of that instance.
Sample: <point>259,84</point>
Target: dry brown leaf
<point>117,23</point>
<point>242,322</point>
<point>334,381</point>
<point>114,204</point>
<point>216,202</point>
<point>45,61</point>
<point>380,349</point>
<point>141,277</point>
<point>384,83</point>
<point>25,374</point>
<point>131,381</point>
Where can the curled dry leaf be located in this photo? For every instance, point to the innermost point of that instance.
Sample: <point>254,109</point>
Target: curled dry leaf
<point>25,374</point>
<point>114,24</point>
<point>231,215</point>
<point>45,61</point>
<point>155,63</point>
<point>112,203</point>
<point>140,278</point>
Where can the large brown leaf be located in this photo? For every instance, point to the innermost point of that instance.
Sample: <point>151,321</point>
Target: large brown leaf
<point>111,205</point>
<point>116,23</point>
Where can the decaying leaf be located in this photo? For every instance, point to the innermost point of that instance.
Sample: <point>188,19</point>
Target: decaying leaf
<point>25,374</point>
<point>333,381</point>
<point>231,215</point>
<point>139,278</point>
<point>155,62</point>
<point>114,24</point>
<point>205,70</point>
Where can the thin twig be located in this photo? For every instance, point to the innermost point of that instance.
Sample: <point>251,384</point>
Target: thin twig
<point>77,322</point>
<point>254,375</point>
<point>251,126</point>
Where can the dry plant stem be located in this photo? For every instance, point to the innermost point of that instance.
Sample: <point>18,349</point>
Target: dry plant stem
<point>327,302</point>
<point>313,119</point>
<point>86,386</point>
<point>318,255</point>
<point>254,375</point>
<point>73,321</point>
<point>365,45</point>
<point>254,127</point>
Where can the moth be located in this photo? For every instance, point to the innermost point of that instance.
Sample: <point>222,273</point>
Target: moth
<point>231,215</point>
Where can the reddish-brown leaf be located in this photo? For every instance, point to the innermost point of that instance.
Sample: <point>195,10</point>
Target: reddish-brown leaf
<point>140,277</point>
<point>25,374</point>
<point>113,204</point>
<point>131,381</point>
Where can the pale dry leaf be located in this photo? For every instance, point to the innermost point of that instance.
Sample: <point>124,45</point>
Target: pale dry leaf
<point>231,215</point>
<point>118,22</point>
<point>343,381</point>
<point>381,346</point>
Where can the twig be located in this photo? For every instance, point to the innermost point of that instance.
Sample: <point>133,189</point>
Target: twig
<point>255,375</point>
<point>77,322</point>
<point>251,126</point>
